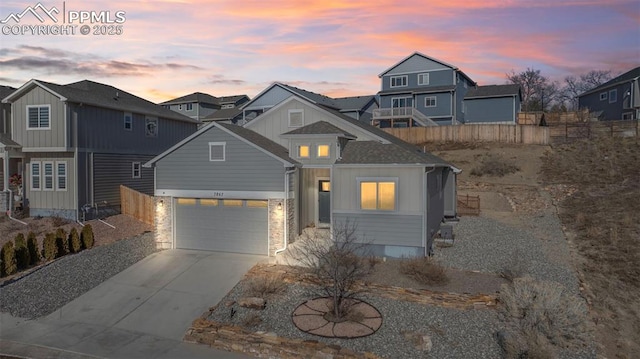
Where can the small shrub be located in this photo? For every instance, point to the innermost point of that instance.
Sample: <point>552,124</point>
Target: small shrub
<point>58,221</point>
<point>515,266</point>
<point>424,270</point>
<point>32,246</point>
<point>266,285</point>
<point>22,253</point>
<point>494,165</point>
<point>61,243</point>
<point>86,236</point>
<point>8,255</point>
<point>75,245</point>
<point>49,247</point>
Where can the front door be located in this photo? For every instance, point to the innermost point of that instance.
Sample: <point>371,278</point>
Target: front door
<point>324,202</point>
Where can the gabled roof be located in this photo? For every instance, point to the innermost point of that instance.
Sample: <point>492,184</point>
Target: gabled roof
<point>6,91</point>
<point>428,58</point>
<point>223,114</point>
<point>493,91</point>
<point>7,142</point>
<point>314,97</point>
<point>231,99</point>
<point>625,77</point>
<point>319,128</point>
<point>198,97</point>
<point>250,137</point>
<point>371,152</point>
<point>354,103</point>
<point>101,95</point>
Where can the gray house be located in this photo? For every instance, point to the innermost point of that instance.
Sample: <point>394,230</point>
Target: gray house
<point>75,144</point>
<point>201,106</point>
<point>357,107</point>
<point>617,99</point>
<point>424,91</point>
<point>300,164</point>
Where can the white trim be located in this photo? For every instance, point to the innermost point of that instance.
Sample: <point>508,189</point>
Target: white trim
<point>377,212</point>
<point>377,180</point>
<point>48,106</point>
<point>187,105</point>
<point>133,170</point>
<point>45,149</point>
<point>318,150</point>
<point>404,82</point>
<point>420,71</point>
<point>604,95</point>
<point>630,115</point>
<point>423,74</point>
<point>224,151</point>
<point>124,121</point>
<point>613,92</point>
<point>66,176</point>
<point>298,155</point>
<point>187,193</point>
<point>31,176</point>
<point>26,86</point>
<point>435,101</point>
<point>421,55</point>
<point>44,176</point>
<point>292,111</point>
<point>400,98</point>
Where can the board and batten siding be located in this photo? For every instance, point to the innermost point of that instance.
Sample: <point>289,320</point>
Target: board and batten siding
<point>245,167</point>
<point>55,136</point>
<point>102,130</point>
<point>435,201</point>
<point>501,109</point>
<point>51,199</point>
<point>112,170</point>
<point>275,122</point>
<point>450,194</point>
<point>410,189</point>
<point>382,229</point>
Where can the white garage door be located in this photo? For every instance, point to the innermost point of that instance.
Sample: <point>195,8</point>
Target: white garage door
<point>229,225</point>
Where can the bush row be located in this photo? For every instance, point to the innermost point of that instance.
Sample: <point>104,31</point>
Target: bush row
<point>22,253</point>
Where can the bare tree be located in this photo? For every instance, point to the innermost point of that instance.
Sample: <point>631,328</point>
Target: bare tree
<point>337,259</point>
<point>574,86</point>
<point>538,92</point>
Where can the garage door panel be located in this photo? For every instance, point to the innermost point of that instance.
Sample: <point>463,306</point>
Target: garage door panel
<point>200,225</point>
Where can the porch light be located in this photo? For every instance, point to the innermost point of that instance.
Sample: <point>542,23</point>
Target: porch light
<point>279,206</point>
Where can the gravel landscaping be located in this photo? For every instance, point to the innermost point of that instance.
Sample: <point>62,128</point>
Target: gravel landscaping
<point>56,284</point>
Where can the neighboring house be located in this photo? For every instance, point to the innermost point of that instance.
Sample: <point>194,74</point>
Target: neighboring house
<point>423,91</point>
<point>357,107</point>
<point>5,110</point>
<point>77,143</point>
<point>300,164</point>
<point>617,99</point>
<point>229,115</point>
<point>493,103</point>
<point>199,106</point>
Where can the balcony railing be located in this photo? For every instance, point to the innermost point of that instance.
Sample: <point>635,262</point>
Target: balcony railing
<point>396,113</point>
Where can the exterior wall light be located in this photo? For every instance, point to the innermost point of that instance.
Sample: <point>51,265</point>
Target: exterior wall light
<point>279,206</point>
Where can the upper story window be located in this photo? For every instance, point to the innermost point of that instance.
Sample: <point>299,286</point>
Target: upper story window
<point>423,79</point>
<point>38,117</point>
<point>151,127</point>
<point>303,151</point>
<point>613,96</point>
<point>398,81</point>
<point>180,107</point>
<point>430,101</point>
<point>128,121</point>
<point>136,171</point>
<point>189,107</point>
<point>217,151</point>
<point>296,118</point>
<point>603,96</point>
<point>378,194</point>
<point>323,151</point>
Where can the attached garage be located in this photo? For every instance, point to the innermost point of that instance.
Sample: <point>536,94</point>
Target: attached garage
<point>226,225</point>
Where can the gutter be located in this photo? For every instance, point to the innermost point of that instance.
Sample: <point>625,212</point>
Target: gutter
<point>285,211</point>
<point>426,210</point>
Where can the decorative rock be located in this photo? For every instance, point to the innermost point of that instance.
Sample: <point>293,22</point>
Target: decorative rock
<point>426,345</point>
<point>229,303</point>
<point>252,302</point>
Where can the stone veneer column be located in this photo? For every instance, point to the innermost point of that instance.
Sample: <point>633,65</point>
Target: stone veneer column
<point>276,225</point>
<point>163,222</point>
<point>291,214</point>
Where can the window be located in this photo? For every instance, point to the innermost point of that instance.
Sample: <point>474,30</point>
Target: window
<point>151,127</point>
<point>232,202</point>
<point>296,118</point>
<point>47,169</point>
<point>128,121</point>
<point>401,102</point>
<point>323,150</point>
<point>228,106</point>
<point>208,202</point>
<point>613,96</point>
<point>135,170</point>
<point>36,176</point>
<point>303,151</point>
<point>217,151</point>
<point>180,107</point>
<point>38,117</point>
<point>399,81</point>
<point>187,201</point>
<point>378,195</point>
<point>61,176</point>
<point>430,101</point>
<point>627,116</point>
<point>256,204</point>
<point>423,79</point>
<point>603,96</point>
<point>462,107</point>
<point>189,107</point>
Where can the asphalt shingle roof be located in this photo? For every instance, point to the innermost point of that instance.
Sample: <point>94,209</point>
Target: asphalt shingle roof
<point>6,141</point>
<point>6,91</point>
<point>194,97</point>
<point>493,91</point>
<point>627,76</point>
<point>223,114</point>
<point>260,141</point>
<point>319,128</point>
<point>102,95</point>
<point>353,102</point>
<point>371,152</point>
<point>315,97</point>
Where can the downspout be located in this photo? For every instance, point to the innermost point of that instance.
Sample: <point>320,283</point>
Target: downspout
<point>74,118</point>
<point>426,209</point>
<point>286,211</point>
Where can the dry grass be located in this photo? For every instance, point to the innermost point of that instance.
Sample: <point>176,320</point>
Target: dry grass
<point>424,270</point>
<point>494,165</point>
<point>265,286</point>
<point>514,267</point>
<point>604,216</point>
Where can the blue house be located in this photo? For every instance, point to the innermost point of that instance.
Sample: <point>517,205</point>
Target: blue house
<point>423,91</point>
<point>617,99</point>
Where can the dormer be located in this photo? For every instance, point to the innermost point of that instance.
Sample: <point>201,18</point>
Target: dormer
<point>317,144</point>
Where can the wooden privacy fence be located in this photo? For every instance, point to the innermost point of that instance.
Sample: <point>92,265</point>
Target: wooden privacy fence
<point>468,205</point>
<point>138,205</point>
<point>571,131</point>
<point>531,135</point>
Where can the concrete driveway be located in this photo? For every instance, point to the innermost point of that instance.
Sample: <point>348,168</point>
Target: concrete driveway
<point>142,312</point>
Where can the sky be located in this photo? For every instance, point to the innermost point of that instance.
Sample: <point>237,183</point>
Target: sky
<point>164,49</point>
